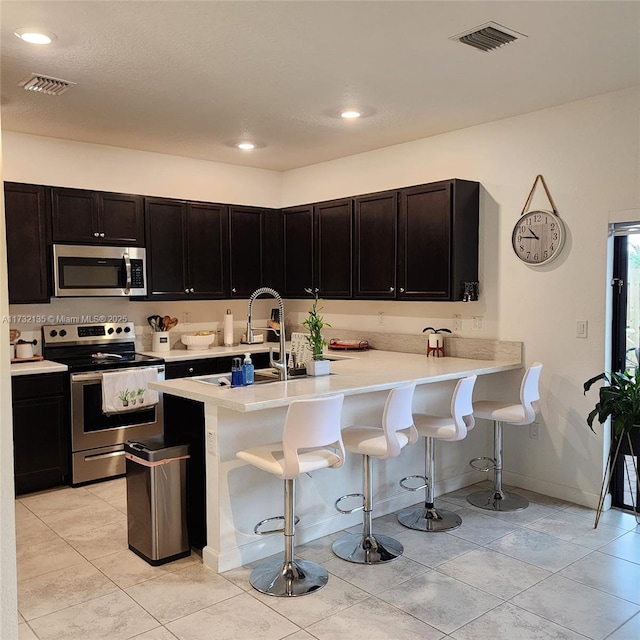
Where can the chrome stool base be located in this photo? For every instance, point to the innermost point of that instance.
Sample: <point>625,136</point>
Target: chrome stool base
<point>297,578</point>
<point>371,549</point>
<point>429,519</point>
<point>493,500</point>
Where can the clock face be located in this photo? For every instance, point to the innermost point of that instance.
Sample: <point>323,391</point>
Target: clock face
<point>538,237</point>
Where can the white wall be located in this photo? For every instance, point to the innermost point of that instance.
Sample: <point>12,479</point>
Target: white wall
<point>80,165</point>
<point>8,592</point>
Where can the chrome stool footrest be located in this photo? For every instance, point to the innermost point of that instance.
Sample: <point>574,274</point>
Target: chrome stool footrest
<point>424,485</point>
<point>345,497</point>
<point>483,468</point>
<point>493,500</point>
<point>270,531</point>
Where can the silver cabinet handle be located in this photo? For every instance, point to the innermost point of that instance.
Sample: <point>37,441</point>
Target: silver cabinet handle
<point>233,290</point>
<point>391,289</point>
<point>102,235</point>
<point>96,234</point>
<point>190,369</point>
<point>191,290</point>
<point>186,290</point>
<point>401,289</point>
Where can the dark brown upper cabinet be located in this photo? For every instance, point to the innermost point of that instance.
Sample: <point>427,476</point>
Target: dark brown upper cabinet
<point>298,249</point>
<point>375,246</point>
<point>27,208</point>
<point>187,250</point>
<point>96,217</point>
<point>273,250</point>
<point>437,240</point>
<point>333,248</point>
<point>245,247</point>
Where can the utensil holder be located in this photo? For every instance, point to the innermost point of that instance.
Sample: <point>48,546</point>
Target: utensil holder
<point>160,341</point>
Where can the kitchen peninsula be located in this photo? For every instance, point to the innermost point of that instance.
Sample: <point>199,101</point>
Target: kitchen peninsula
<point>239,495</point>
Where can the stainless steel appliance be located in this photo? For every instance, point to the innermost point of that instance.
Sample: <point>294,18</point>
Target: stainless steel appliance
<point>97,439</point>
<point>85,270</point>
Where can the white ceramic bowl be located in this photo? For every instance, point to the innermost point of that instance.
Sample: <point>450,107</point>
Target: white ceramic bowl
<point>195,343</point>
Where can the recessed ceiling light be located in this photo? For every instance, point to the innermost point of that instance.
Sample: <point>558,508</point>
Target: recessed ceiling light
<point>246,145</point>
<point>34,36</point>
<point>350,114</point>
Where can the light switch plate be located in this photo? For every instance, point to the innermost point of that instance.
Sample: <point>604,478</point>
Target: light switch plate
<point>457,322</point>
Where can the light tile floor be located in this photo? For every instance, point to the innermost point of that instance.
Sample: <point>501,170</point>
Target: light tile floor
<point>539,573</point>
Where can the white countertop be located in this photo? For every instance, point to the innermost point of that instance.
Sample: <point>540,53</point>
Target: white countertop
<point>32,368</point>
<point>176,355</point>
<point>360,372</point>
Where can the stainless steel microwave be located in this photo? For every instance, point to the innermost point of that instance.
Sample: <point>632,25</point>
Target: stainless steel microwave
<point>84,270</point>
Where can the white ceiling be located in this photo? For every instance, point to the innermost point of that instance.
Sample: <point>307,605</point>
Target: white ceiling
<point>190,78</point>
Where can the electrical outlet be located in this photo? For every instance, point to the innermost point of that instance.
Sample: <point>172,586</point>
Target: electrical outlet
<point>534,431</point>
<point>457,322</point>
<point>211,442</point>
<point>478,323</point>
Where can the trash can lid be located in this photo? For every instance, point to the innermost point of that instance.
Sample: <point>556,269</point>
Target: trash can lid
<point>155,448</point>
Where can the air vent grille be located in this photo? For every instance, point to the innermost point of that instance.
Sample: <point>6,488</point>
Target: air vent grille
<point>46,84</point>
<point>488,37</point>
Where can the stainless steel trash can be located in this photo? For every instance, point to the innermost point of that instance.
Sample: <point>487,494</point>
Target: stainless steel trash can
<point>157,499</point>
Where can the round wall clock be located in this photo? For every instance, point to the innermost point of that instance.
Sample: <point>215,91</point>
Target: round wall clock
<point>538,237</point>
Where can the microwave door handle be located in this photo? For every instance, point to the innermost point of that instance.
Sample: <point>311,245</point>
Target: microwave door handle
<point>127,267</point>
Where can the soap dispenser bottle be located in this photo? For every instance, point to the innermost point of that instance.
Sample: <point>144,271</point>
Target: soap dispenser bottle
<point>247,369</point>
<point>236,373</point>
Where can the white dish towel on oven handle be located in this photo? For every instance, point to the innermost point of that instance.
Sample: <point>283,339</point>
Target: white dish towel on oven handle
<point>127,390</point>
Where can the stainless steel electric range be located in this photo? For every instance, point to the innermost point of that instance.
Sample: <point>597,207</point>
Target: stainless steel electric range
<point>97,439</point>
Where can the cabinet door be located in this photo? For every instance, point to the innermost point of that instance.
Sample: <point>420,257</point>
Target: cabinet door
<point>40,432</point>
<point>27,215</point>
<point>245,241</point>
<point>75,216</point>
<point>375,246</point>
<point>207,251</point>
<point>121,219</point>
<point>438,240</point>
<point>298,251</point>
<point>334,248</point>
<point>166,260</point>
<point>425,242</point>
<point>272,249</point>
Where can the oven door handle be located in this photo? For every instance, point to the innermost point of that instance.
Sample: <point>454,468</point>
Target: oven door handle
<point>127,267</point>
<point>96,376</point>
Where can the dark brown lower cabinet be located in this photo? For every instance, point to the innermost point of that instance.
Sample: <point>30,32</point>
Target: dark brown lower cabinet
<point>41,448</point>
<point>184,423</point>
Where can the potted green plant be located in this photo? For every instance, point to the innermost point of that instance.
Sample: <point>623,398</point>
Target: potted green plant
<point>618,400</point>
<point>315,323</point>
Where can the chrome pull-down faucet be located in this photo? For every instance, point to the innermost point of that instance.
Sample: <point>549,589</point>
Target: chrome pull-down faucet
<point>281,363</point>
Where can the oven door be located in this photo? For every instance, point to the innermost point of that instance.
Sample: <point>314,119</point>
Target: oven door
<point>97,440</point>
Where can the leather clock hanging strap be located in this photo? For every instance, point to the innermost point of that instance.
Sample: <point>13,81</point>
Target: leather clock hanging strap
<point>544,184</point>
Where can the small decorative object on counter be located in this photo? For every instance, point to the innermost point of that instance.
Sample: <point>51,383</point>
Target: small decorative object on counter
<point>228,329</point>
<point>162,323</point>
<point>160,341</point>
<point>248,370</point>
<point>236,373</point>
<point>435,341</point>
<point>315,324</point>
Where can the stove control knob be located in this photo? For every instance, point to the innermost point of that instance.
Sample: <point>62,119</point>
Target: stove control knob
<point>127,329</point>
<point>63,333</point>
<point>110,330</point>
<point>53,333</point>
<point>119,330</point>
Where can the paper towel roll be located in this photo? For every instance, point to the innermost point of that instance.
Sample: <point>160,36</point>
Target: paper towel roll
<point>228,328</point>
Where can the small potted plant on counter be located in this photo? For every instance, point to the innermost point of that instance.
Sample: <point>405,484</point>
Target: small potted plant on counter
<point>618,399</point>
<point>314,323</point>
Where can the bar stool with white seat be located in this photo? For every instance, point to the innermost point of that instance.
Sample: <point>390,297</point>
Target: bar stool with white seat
<point>520,414</point>
<point>376,442</point>
<point>311,440</point>
<point>426,517</point>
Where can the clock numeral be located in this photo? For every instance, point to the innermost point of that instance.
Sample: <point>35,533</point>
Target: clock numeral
<point>521,248</point>
<point>536,257</point>
<point>546,254</point>
<point>555,236</point>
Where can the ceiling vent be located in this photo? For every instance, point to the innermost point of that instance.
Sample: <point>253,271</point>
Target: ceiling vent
<point>488,37</point>
<point>46,84</point>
